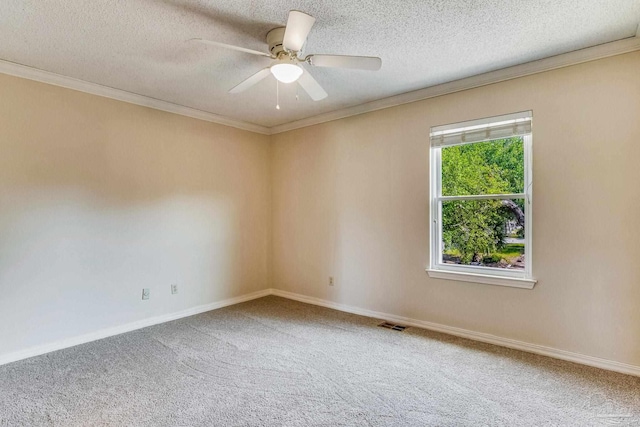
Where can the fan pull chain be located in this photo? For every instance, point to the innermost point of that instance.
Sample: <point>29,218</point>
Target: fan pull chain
<point>277,95</point>
<point>296,92</point>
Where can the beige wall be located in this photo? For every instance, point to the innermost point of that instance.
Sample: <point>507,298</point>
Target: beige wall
<point>99,199</point>
<point>350,200</point>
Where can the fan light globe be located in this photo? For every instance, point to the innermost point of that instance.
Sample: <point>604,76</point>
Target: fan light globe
<point>286,72</point>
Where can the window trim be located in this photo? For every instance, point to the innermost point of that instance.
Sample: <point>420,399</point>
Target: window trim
<point>486,279</point>
<point>466,273</point>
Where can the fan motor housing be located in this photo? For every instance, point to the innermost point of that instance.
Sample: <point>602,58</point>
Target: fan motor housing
<point>274,40</point>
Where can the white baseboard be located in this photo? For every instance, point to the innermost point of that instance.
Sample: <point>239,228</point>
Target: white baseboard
<point>583,359</point>
<point>116,330</point>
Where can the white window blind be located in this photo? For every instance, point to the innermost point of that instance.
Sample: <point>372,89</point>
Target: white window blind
<point>517,124</point>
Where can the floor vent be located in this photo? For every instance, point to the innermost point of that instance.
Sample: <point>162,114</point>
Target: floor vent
<point>393,326</point>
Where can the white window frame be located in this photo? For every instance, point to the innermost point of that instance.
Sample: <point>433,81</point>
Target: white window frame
<point>468,273</point>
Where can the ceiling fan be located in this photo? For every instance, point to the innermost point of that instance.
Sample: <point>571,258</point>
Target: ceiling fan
<point>285,46</point>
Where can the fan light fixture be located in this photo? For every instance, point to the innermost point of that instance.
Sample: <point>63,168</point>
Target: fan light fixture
<point>284,46</point>
<point>286,72</point>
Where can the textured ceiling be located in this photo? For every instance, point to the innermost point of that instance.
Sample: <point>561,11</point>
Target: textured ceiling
<point>140,45</point>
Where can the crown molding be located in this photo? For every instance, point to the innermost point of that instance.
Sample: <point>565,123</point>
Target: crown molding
<point>575,57</point>
<point>547,64</point>
<point>23,71</point>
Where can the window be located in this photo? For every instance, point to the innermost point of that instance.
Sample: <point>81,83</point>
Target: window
<point>481,201</point>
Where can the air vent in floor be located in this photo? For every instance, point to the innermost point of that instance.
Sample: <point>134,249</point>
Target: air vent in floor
<point>393,326</point>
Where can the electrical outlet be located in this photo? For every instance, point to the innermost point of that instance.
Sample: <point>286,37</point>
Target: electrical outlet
<point>145,293</point>
<point>330,280</point>
<point>174,289</point>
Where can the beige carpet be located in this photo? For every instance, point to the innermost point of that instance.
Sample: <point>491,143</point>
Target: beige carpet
<point>274,362</point>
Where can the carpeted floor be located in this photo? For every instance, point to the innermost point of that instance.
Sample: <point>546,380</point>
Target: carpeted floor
<point>275,362</point>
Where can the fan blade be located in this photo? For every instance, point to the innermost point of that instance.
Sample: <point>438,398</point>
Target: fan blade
<point>311,86</point>
<point>370,63</point>
<point>232,47</point>
<point>246,84</point>
<point>298,26</point>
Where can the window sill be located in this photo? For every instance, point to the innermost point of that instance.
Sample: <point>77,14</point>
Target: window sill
<point>486,279</point>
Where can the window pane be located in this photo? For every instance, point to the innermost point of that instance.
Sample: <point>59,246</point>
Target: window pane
<point>484,233</point>
<point>491,167</point>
